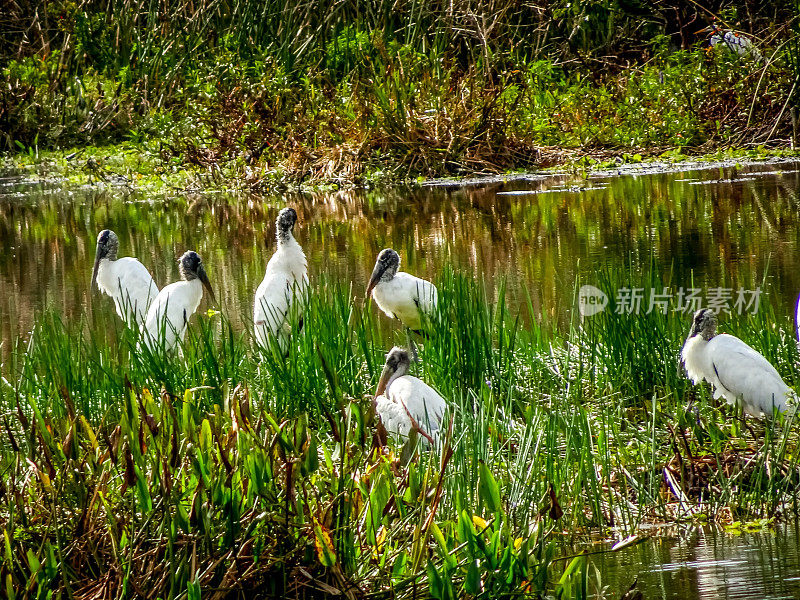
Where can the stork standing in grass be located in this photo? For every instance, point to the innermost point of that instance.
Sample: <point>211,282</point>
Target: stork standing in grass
<point>169,314</point>
<point>284,284</point>
<point>400,295</point>
<point>407,406</point>
<point>125,279</point>
<point>737,372</point>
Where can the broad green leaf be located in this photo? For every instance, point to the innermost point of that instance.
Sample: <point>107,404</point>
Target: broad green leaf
<point>472,582</point>
<point>205,438</point>
<point>435,588</point>
<point>33,562</point>
<point>193,590</point>
<point>489,490</point>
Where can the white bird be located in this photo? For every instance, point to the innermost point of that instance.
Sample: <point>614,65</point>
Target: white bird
<point>731,40</point>
<point>285,281</point>
<point>126,280</point>
<point>176,303</point>
<point>737,372</point>
<point>405,403</point>
<point>399,294</point>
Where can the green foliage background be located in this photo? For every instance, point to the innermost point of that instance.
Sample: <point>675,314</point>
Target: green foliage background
<point>331,90</point>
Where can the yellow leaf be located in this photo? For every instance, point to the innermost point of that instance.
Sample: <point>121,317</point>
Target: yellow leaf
<point>517,543</point>
<point>48,487</point>
<point>89,432</point>
<point>480,523</point>
<point>381,537</point>
<point>211,312</point>
<point>379,540</point>
<point>324,545</point>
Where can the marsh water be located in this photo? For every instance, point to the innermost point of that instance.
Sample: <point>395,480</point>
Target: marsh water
<point>726,226</point>
<point>706,227</point>
<point>705,563</point>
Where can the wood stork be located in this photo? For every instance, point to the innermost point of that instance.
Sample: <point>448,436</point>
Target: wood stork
<point>406,404</point>
<point>401,295</point>
<point>125,279</point>
<point>285,281</point>
<point>169,314</point>
<point>736,371</point>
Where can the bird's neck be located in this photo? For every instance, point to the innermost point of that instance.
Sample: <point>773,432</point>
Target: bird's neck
<point>696,340</point>
<point>187,275</point>
<point>284,237</point>
<point>388,275</point>
<point>707,335</point>
<point>402,369</point>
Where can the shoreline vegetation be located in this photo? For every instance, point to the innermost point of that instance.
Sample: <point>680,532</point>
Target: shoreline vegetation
<point>274,94</point>
<point>219,471</point>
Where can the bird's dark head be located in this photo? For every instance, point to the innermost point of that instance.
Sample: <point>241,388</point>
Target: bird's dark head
<point>398,357</point>
<point>385,268</point>
<point>191,268</point>
<point>285,222</point>
<point>397,363</point>
<point>107,244</point>
<point>704,324</point>
<point>107,247</point>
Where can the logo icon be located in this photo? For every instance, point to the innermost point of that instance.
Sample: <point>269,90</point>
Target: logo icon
<point>591,300</point>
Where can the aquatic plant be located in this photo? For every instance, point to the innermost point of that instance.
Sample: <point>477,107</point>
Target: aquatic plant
<point>219,469</point>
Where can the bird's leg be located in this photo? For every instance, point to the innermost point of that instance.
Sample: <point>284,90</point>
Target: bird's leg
<point>741,415</point>
<point>380,438</point>
<point>409,448</point>
<point>412,346</point>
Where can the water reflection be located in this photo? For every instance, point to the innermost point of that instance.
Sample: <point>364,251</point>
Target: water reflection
<point>708,564</point>
<point>722,225</point>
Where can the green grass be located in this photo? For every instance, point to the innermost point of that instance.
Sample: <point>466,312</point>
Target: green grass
<point>220,468</point>
<point>273,94</point>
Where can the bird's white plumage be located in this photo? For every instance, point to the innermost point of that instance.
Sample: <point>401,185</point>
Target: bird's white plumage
<point>734,42</point>
<point>406,297</point>
<point>286,280</point>
<point>170,312</point>
<point>130,285</point>
<point>407,397</point>
<point>737,372</point>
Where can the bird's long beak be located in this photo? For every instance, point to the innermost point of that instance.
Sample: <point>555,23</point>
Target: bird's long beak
<point>708,29</point>
<point>95,269</point>
<point>201,275</point>
<point>377,273</point>
<point>386,375</point>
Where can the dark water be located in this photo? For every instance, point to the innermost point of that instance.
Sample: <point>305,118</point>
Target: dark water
<point>705,563</point>
<point>726,226</point>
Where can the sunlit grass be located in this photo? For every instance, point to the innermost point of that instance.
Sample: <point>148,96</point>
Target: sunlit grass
<point>224,466</point>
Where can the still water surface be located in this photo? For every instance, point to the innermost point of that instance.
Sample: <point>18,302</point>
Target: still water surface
<point>726,225</point>
<point>729,225</point>
<point>706,563</point>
